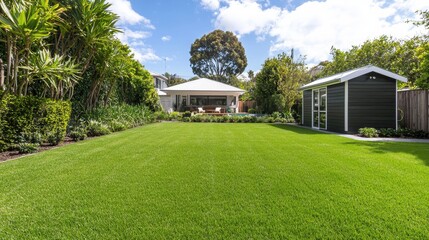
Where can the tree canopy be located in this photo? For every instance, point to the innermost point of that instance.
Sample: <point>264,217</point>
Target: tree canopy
<point>278,82</point>
<point>218,55</point>
<point>65,49</point>
<point>398,56</point>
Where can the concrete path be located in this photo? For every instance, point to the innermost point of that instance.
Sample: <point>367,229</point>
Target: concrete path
<point>355,137</point>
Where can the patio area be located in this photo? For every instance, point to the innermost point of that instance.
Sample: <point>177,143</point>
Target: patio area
<point>202,96</point>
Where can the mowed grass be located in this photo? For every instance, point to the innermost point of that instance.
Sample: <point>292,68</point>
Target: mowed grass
<point>218,181</point>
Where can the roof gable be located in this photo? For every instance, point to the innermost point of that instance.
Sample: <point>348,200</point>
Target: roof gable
<point>203,84</point>
<point>351,74</point>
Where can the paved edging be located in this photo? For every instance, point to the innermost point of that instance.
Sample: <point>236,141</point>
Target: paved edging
<point>354,137</point>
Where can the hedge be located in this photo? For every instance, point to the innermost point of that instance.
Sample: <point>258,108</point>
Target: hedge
<point>32,115</point>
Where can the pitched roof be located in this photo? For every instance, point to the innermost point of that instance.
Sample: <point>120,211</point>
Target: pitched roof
<point>204,85</point>
<point>161,93</point>
<point>154,74</point>
<point>348,75</point>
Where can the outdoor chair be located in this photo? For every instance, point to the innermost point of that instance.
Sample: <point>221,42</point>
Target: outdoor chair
<point>201,110</point>
<point>218,110</point>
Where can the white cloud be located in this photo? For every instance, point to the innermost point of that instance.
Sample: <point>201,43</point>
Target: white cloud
<point>210,4</point>
<point>246,16</point>
<point>313,27</point>
<point>128,36</point>
<point>127,15</point>
<point>132,34</point>
<point>166,38</point>
<point>145,55</point>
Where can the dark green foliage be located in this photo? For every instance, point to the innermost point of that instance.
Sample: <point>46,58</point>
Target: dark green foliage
<point>218,55</point>
<point>388,132</point>
<point>116,126</point>
<point>25,147</point>
<point>278,82</point>
<point>78,134</point>
<point>400,133</point>
<point>187,114</point>
<point>54,138</point>
<point>3,146</point>
<point>238,119</point>
<point>398,56</point>
<point>368,132</point>
<point>276,115</point>
<point>33,120</point>
<point>30,137</point>
<point>95,129</point>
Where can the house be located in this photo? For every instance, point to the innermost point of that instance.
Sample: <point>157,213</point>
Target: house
<point>160,82</point>
<point>345,102</point>
<point>202,93</point>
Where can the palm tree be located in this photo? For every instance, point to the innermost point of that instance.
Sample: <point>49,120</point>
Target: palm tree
<point>25,24</point>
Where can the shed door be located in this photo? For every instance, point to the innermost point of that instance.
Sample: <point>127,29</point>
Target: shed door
<point>319,108</point>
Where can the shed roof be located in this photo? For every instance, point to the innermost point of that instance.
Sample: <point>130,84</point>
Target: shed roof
<point>351,74</point>
<point>204,85</point>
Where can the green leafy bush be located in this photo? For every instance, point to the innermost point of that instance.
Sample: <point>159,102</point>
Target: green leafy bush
<point>116,126</point>
<point>175,116</point>
<point>160,115</point>
<point>187,114</point>
<point>251,110</point>
<point>368,132</point>
<point>54,138</point>
<point>25,148</point>
<point>276,115</point>
<point>30,137</point>
<point>388,132</point>
<point>78,134</point>
<point>96,128</point>
<point>3,146</point>
<point>32,115</point>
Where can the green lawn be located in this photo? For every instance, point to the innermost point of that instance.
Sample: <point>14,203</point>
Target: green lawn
<point>217,181</point>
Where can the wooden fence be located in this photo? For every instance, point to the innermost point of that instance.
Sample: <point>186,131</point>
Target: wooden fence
<point>414,108</point>
<point>244,106</point>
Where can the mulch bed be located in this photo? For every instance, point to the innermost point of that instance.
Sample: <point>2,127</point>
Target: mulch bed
<point>9,155</point>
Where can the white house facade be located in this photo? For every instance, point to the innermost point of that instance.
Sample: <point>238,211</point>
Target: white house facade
<point>202,93</point>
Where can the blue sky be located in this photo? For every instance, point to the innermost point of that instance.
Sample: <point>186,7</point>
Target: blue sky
<point>161,32</point>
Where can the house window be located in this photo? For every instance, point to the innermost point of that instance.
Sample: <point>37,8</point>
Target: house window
<point>208,100</point>
<point>184,101</point>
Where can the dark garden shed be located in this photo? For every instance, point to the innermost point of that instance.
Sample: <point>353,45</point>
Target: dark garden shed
<point>345,102</point>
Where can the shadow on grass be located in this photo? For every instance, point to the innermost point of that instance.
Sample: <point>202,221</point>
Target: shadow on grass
<point>297,129</point>
<point>419,150</point>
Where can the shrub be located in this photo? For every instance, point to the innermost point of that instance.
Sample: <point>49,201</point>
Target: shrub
<point>276,115</point>
<point>95,128</point>
<point>78,134</point>
<point>279,120</point>
<point>269,119</point>
<point>368,132</point>
<point>186,119</point>
<point>31,114</point>
<point>160,115</point>
<point>388,132</point>
<point>30,137</point>
<point>251,110</point>
<point>175,116</point>
<point>3,146</point>
<point>25,148</point>
<point>54,138</point>
<point>187,114</point>
<point>116,126</point>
